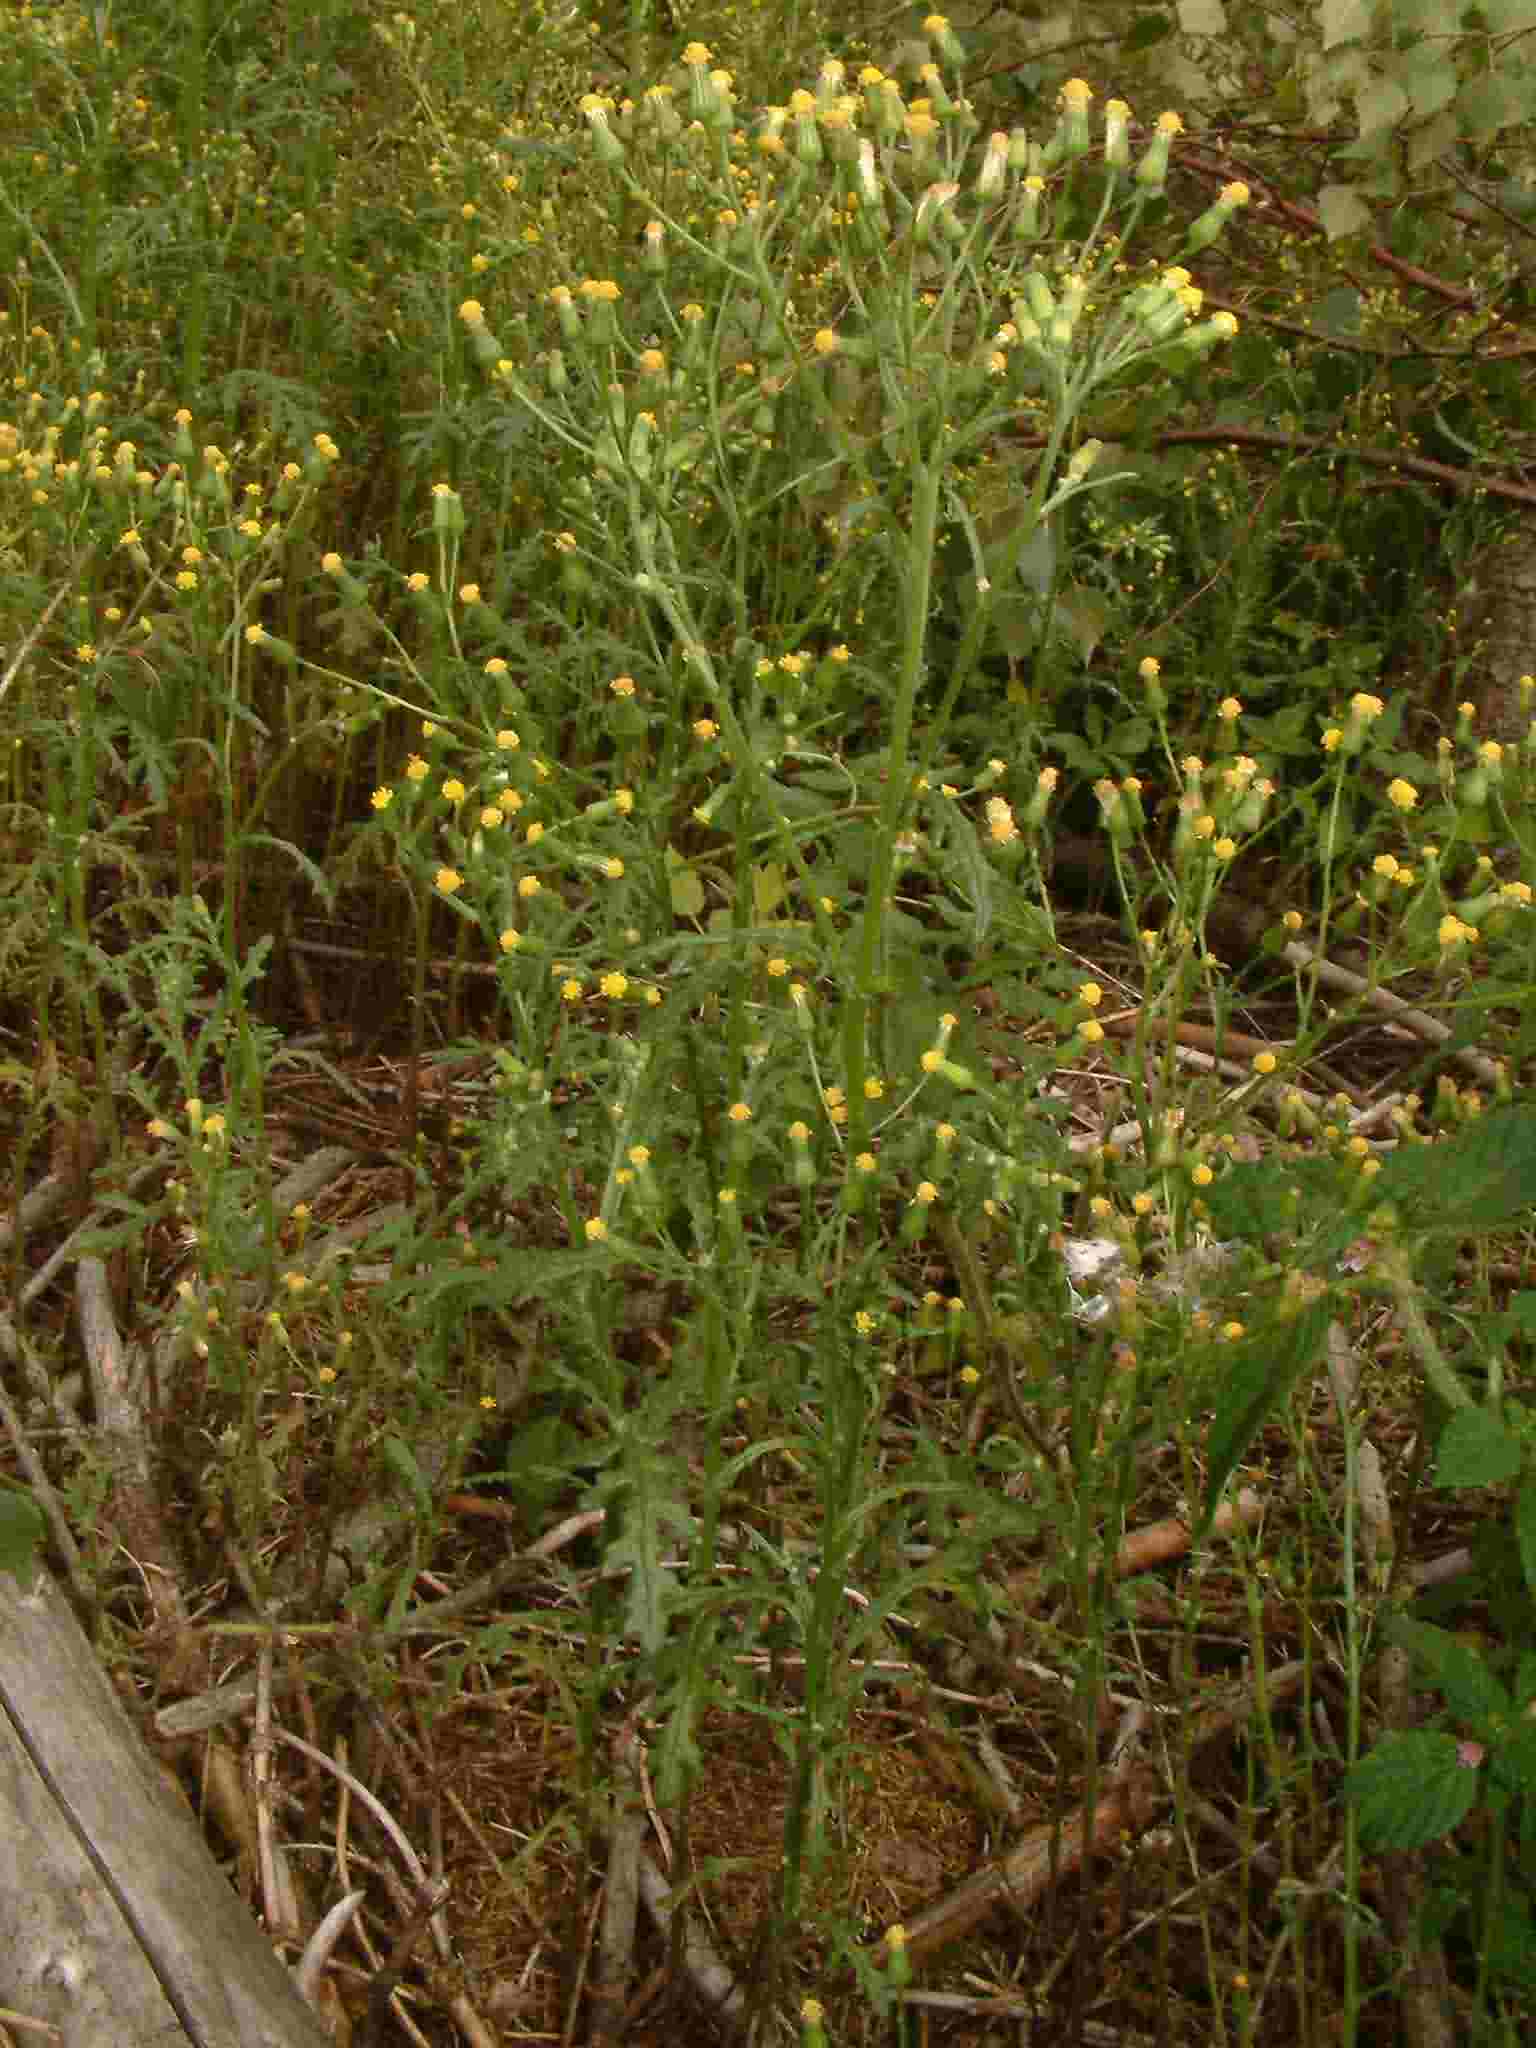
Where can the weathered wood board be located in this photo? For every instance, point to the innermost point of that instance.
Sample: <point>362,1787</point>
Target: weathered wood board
<point>117,1926</point>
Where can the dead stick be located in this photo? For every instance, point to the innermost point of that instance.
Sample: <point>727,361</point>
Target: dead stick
<point>1021,1877</point>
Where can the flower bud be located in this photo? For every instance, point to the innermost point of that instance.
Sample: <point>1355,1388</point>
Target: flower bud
<point>1117,141</point>
<point>943,38</point>
<point>1152,171</point>
<point>596,110</point>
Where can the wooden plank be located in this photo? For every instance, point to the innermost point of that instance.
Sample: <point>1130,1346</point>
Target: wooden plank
<point>116,1924</point>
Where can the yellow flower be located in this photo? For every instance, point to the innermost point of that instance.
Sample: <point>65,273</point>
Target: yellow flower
<point>614,986</point>
<point>596,1229</point>
<point>530,885</point>
<point>623,686</point>
<point>739,1113</point>
<point>382,799</point>
<point>453,790</point>
<point>1401,794</point>
<point>449,880</point>
<point>613,868</point>
<point>826,341</point>
<point>496,666</point>
<point>510,940</point>
<point>416,770</point>
<point>417,580</point>
<point>1264,1063</point>
<point>571,989</point>
<point>1090,993</point>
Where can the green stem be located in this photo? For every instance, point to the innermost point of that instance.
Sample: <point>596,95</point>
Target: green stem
<point>921,542</point>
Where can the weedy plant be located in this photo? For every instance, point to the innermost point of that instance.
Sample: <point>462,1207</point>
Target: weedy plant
<point>750,1227</point>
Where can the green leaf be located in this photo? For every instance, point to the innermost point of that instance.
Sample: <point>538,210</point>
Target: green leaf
<point>767,890</point>
<point>401,1460</point>
<point>1256,1376</point>
<point>1486,105</point>
<point>1343,212</point>
<point>1380,105</point>
<point>1150,29</point>
<point>1475,1449</point>
<point>687,889</point>
<point>21,1533</point>
<point>1428,76</point>
<point>1261,1198</point>
<point>976,871</point>
<point>1525,1531</point>
<point>1413,1788</point>
<point>1471,1691</point>
<point>1480,1180</point>
<point>648,1519</point>
<point>1515,1758</point>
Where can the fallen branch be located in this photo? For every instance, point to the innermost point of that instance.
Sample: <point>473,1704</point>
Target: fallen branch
<point>1021,1877</point>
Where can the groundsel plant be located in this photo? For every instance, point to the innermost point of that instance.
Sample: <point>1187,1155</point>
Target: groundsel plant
<point>895,278</point>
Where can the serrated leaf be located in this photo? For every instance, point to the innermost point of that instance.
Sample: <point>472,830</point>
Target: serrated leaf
<point>21,1534</point>
<point>1475,1449</point>
<point>1428,76</point>
<point>401,1460</point>
<point>1258,1199</point>
<point>647,1521</point>
<point>977,871</point>
<point>1342,212</point>
<point>1413,1788</point>
<point>1257,1375</point>
<point>1479,1180</point>
<point>1471,1691</point>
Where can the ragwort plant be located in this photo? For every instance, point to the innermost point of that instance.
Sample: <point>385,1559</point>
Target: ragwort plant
<point>709,1012</point>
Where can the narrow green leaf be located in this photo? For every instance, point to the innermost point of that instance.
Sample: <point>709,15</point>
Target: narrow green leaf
<point>21,1533</point>
<point>1525,1531</point>
<point>401,1460</point>
<point>1257,1376</point>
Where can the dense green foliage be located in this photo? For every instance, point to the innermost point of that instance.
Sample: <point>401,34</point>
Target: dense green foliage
<point>837,658</point>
